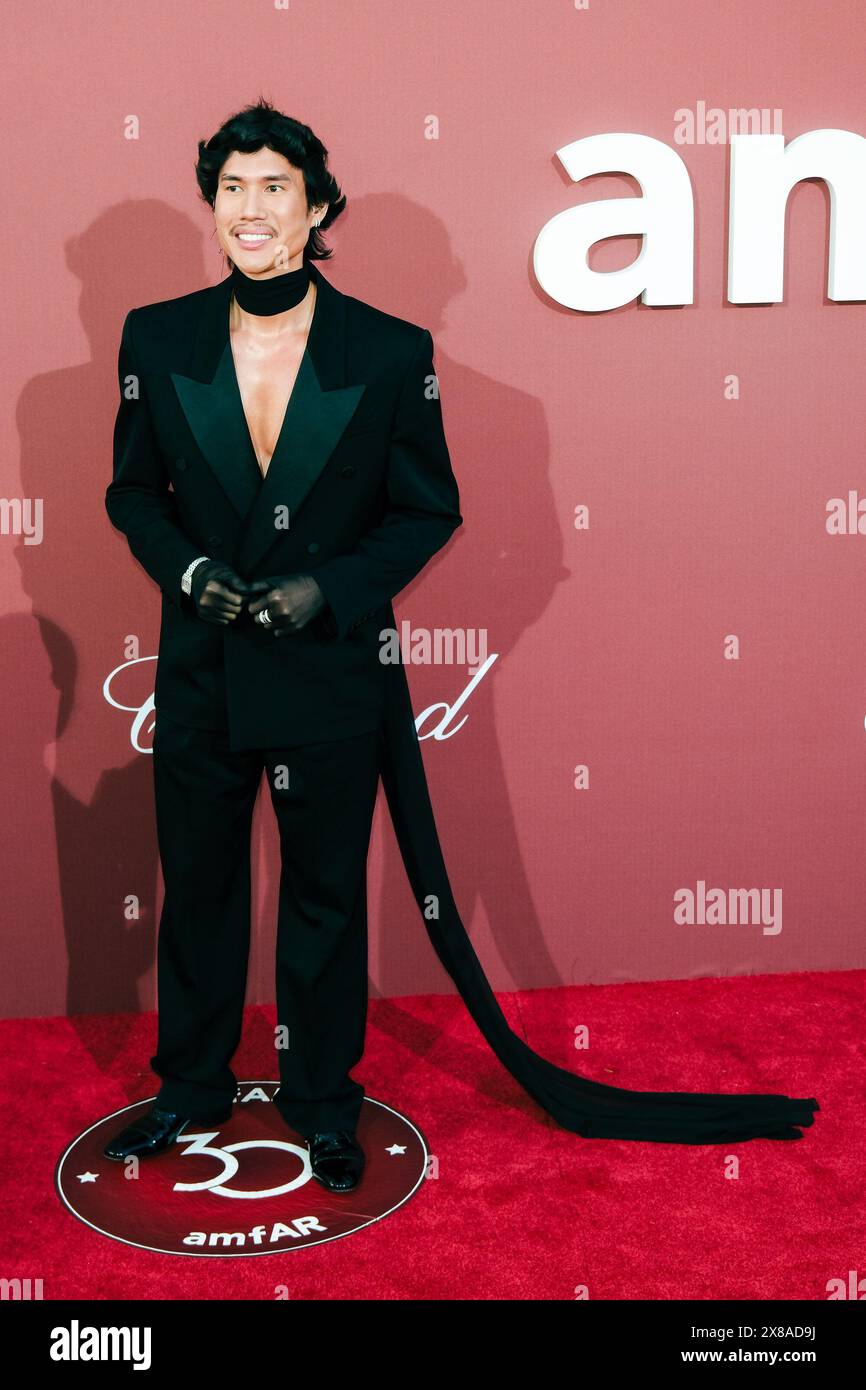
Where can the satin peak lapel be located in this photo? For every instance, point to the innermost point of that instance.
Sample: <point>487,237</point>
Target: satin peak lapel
<point>320,407</point>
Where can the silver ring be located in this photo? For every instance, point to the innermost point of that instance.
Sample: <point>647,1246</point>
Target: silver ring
<point>264,616</point>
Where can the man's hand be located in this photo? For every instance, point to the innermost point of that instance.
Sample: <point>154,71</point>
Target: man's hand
<point>218,592</point>
<point>292,601</point>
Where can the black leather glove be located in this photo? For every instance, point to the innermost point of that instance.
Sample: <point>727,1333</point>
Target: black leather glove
<point>218,592</point>
<point>292,601</point>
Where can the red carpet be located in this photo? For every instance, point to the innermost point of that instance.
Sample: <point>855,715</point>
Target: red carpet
<point>519,1209</point>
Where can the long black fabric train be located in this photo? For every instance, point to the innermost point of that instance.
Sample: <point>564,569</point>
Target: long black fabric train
<point>589,1108</point>
<point>362,468</point>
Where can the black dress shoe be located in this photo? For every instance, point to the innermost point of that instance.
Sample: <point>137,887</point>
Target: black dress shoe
<point>152,1134</point>
<point>337,1160</point>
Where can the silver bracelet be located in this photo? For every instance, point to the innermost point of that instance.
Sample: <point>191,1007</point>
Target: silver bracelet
<point>186,581</point>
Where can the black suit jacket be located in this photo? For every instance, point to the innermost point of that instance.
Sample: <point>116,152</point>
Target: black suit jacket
<point>359,493</point>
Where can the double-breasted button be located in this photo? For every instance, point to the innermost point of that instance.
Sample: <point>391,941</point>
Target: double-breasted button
<point>347,471</point>
<point>180,463</point>
<point>313,548</point>
<point>214,540</point>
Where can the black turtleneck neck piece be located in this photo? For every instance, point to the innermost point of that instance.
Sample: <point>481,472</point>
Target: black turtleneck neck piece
<point>272,295</point>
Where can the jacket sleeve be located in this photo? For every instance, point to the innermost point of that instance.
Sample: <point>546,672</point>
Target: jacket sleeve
<point>422,507</point>
<point>138,500</point>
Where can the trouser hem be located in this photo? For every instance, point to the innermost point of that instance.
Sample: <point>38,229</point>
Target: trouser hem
<point>189,1102</point>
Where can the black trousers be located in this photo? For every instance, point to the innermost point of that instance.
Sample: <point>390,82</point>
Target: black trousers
<point>323,795</point>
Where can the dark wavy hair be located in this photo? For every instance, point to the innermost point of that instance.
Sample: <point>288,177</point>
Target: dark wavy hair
<point>261,126</point>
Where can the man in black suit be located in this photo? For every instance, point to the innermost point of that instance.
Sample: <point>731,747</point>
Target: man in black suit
<point>281,471</point>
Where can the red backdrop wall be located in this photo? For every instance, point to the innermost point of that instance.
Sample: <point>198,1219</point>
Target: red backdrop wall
<point>706,515</point>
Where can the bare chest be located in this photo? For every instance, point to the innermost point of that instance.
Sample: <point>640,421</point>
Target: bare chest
<point>266,379</point>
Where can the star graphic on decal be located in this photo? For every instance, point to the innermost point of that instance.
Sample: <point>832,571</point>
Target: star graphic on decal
<point>87,1177</point>
<point>396,1149</point>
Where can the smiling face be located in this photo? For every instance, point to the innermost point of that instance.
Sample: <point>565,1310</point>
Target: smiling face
<point>260,213</point>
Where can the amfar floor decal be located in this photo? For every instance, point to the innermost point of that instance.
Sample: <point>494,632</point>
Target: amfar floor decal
<point>239,1189</point>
